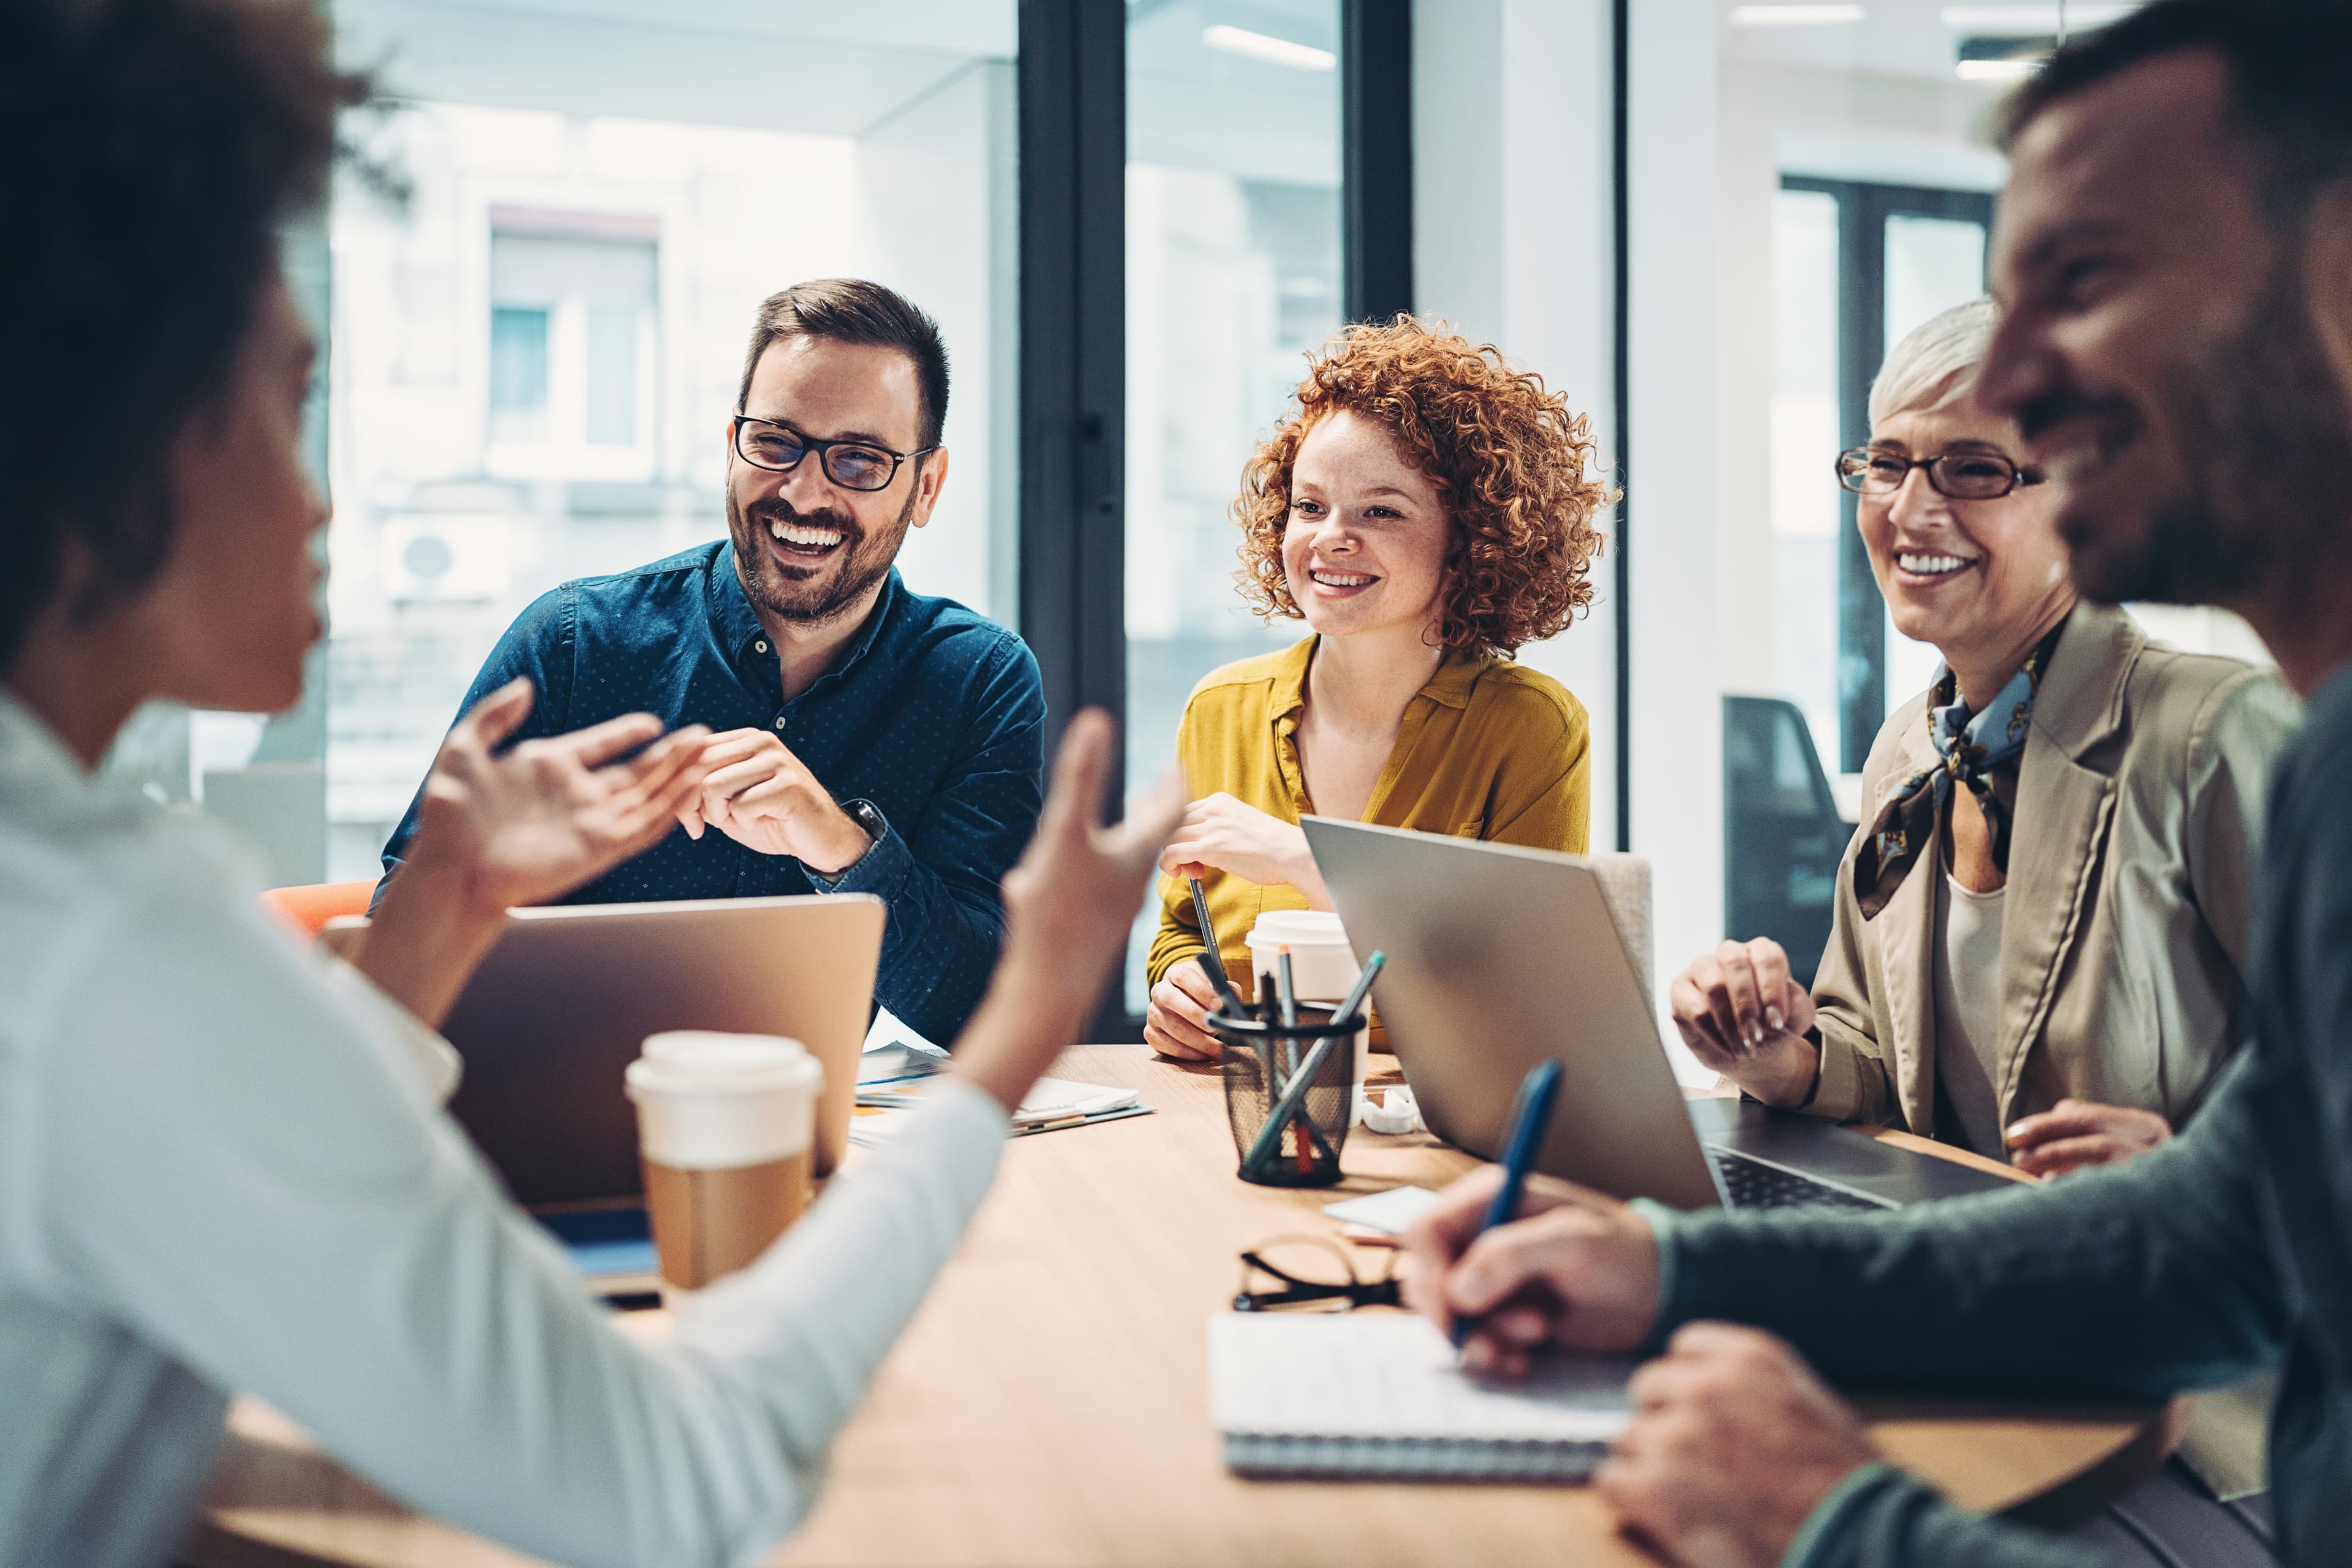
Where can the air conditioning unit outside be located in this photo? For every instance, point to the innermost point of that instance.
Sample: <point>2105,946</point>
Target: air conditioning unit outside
<point>445,556</point>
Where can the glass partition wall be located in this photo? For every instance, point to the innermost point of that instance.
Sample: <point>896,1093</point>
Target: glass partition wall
<point>1856,266</point>
<point>536,346</point>
<point>535,305</point>
<point>1232,276</point>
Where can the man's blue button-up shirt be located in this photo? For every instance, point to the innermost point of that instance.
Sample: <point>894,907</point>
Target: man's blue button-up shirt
<point>934,714</point>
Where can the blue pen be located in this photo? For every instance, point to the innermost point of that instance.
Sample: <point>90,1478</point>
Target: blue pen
<point>1529,1118</point>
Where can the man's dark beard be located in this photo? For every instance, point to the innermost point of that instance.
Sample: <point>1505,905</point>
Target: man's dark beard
<point>866,559</point>
<point>2269,439</point>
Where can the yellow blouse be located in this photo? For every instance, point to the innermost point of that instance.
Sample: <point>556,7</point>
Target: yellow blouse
<point>1488,749</point>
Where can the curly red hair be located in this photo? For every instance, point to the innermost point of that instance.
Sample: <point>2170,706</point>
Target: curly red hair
<point>1511,462</point>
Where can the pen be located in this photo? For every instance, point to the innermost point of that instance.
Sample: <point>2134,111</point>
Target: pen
<point>1286,997</point>
<point>1529,1118</point>
<point>1214,960</point>
<point>1362,987</point>
<point>1287,1107</point>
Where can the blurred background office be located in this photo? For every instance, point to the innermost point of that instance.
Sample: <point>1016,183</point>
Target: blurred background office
<point>1704,221</point>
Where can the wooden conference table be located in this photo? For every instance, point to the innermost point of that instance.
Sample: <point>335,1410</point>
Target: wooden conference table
<point>1048,1408</point>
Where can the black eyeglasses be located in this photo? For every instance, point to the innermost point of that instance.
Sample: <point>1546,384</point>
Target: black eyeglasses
<point>1310,1270</point>
<point>852,464</point>
<point>1959,476</point>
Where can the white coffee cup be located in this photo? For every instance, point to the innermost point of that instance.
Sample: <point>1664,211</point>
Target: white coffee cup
<point>1323,967</point>
<point>726,1127</point>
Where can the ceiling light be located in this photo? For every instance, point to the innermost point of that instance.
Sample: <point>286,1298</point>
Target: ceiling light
<point>1793,16</point>
<point>1997,70</point>
<point>2033,18</point>
<point>2003,59</point>
<point>1267,47</point>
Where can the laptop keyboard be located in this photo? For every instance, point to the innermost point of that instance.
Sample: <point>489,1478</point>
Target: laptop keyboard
<point>1753,1184</point>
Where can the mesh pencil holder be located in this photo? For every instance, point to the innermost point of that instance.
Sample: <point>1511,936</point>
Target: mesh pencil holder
<point>1264,1059</point>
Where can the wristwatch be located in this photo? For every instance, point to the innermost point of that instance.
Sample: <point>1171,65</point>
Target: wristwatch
<point>868,816</point>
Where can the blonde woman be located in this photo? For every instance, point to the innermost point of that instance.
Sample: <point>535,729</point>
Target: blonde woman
<point>2039,945</point>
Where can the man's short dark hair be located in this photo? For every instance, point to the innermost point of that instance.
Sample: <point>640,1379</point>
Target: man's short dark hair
<point>154,147</point>
<point>852,310</point>
<point>2290,64</point>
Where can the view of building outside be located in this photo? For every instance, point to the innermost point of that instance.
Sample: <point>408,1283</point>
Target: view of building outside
<point>536,349</point>
<point>1232,276</point>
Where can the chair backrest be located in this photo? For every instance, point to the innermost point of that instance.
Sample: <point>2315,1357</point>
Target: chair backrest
<point>308,908</point>
<point>1782,837</point>
<point>1625,885</point>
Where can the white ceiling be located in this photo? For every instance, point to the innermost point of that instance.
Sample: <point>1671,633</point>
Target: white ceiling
<point>776,65</point>
<point>1195,106</point>
<point>1900,37</point>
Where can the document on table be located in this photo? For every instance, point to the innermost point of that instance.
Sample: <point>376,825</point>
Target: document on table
<point>1051,1103</point>
<point>1379,1394</point>
<point>1391,1212</point>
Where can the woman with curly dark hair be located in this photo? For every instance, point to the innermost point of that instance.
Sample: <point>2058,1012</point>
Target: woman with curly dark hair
<point>1426,509</point>
<point>226,1167</point>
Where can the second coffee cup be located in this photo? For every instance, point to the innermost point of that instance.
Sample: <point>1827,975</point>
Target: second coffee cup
<point>726,1127</point>
<point>1323,967</point>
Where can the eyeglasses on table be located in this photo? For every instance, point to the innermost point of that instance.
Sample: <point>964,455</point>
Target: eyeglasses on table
<point>1315,1272</point>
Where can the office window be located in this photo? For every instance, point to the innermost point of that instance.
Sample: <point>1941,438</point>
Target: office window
<point>535,354</point>
<point>575,321</point>
<point>1233,275</point>
<point>1932,264</point>
<point>1806,516</point>
<point>261,775</point>
<point>1889,257</point>
<point>518,373</point>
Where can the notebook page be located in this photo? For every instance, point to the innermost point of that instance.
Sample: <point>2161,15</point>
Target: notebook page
<point>1388,1376</point>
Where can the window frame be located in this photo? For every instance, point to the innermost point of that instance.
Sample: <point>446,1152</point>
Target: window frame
<point>1073,223</point>
<point>1863,208</point>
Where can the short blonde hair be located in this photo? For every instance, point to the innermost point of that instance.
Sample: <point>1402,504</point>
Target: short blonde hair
<point>1936,362</point>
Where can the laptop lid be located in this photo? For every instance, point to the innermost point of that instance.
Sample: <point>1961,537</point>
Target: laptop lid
<point>565,999</point>
<point>1499,957</point>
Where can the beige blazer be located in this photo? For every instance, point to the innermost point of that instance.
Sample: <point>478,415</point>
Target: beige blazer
<point>2130,901</point>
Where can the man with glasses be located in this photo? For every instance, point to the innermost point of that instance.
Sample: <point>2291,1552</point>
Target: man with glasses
<point>864,738</point>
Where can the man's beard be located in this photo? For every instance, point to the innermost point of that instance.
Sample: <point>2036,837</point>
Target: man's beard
<point>2266,432</point>
<point>863,560</point>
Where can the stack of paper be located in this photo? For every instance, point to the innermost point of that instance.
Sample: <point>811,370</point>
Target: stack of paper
<point>898,1062</point>
<point>1056,1101</point>
<point>1051,1103</point>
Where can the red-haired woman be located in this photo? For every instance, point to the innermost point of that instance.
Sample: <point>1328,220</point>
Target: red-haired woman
<point>1426,509</point>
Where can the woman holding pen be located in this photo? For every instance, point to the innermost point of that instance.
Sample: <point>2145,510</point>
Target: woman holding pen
<point>1426,509</point>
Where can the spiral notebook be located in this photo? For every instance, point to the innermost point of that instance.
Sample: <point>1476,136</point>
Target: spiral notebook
<point>1371,1394</point>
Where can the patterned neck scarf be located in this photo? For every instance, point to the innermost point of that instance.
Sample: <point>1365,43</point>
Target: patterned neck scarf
<point>1972,749</point>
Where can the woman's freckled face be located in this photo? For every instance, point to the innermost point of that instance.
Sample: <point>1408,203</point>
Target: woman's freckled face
<point>1959,574</point>
<point>1364,547</point>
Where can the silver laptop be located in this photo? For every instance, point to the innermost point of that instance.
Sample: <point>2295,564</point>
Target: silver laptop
<point>1499,957</point>
<point>560,1007</point>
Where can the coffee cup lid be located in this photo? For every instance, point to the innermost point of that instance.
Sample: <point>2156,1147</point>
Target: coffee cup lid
<point>1300,928</point>
<point>701,1061</point>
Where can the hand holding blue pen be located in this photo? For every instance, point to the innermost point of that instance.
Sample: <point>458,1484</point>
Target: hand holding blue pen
<point>1530,1117</point>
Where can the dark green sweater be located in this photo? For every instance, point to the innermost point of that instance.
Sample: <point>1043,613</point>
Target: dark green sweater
<point>2215,1257</point>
